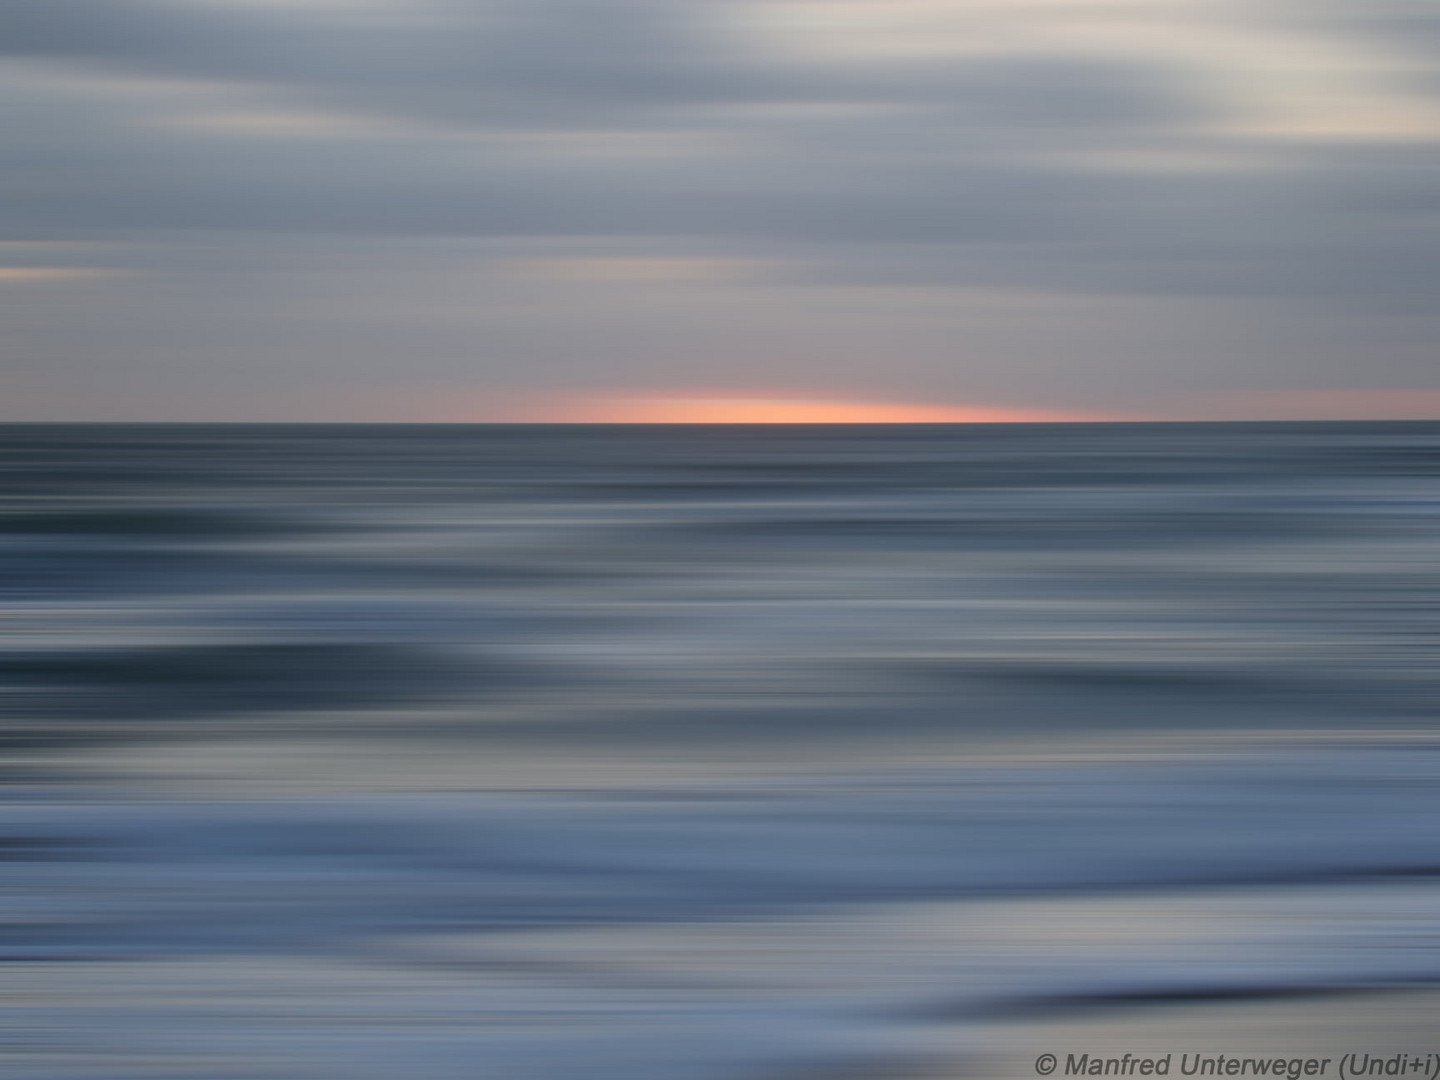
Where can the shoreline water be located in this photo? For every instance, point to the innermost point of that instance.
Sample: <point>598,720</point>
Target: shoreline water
<point>360,754</point>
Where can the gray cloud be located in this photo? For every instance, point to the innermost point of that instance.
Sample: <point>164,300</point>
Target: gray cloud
<point>561,61</point>
<point>564,61</point>
<point>1049,166</point>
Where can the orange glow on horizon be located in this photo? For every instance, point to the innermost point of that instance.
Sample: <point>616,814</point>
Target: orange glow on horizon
<point>745,409</point>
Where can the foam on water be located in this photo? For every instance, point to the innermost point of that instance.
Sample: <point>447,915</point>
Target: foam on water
<point>733,930</point>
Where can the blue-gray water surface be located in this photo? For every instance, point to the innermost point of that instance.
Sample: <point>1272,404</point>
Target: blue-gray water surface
<point>551,752</point>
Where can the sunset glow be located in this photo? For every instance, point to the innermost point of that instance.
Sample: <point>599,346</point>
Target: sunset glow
<point>744,409</point>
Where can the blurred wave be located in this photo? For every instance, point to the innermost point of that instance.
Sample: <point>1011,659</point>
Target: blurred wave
<point>702,752</point>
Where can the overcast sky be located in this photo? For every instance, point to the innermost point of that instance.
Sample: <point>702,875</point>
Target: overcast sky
<point>495,209</point>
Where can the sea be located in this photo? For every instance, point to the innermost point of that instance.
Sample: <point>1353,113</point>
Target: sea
<point>460,752</point>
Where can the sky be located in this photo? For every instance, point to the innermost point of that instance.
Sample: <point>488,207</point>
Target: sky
<point>516,210</point>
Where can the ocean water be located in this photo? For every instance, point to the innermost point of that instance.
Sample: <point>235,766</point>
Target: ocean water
<point>646,753</point>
